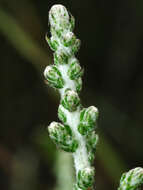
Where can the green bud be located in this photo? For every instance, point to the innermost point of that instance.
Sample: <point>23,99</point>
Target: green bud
<point>60,58</point>
<point>53,76</point>
<point>78,84</point>
<point>59,17</point>
<point>69,39</point>
<point>132,180</point>
<point>75,70</point>
<point>70,100</point>
<point>61,114</point>
<point>88,118</point>
<point>62,136</point>
<point>85,178</point>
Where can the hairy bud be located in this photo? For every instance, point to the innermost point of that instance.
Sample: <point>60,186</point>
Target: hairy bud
<point>132,180</point>
<point>62,136</point>
<point>85,178</point>
<point>54,77</point>
<point>59,17</point>
<point>88,118</point>
<point>70,100</point>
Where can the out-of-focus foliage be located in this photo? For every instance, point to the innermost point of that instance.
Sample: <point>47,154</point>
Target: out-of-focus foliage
<point>111,33</point>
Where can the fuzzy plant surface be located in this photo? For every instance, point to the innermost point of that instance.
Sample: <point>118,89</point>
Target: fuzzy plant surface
<point>76,132</point>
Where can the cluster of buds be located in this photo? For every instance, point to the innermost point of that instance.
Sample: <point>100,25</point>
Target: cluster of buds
<point>77,133</point>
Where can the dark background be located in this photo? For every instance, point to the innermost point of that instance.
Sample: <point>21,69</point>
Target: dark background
<point>111,53</point>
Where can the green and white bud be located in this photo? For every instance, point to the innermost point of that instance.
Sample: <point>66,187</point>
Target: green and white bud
<point>59,18</point>
<point>88,117</point>
<point>61,114</point>
<point>85,178</point>
<point>132,180</point>
<point>70,100</point>
<point>62,136</point>
<point>53,76</point>
<point>60,57</point>
<point>75,71</point>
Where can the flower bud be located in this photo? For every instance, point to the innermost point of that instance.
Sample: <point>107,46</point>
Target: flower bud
<point>70,100</point>
<point>85,178</point>
<point>59,17</point>
<point>132,179</point>
<point>75,70</point>
<point>88,118</point>
<point>62,136</point>
<point>61,114</point>
<point>53,76</point>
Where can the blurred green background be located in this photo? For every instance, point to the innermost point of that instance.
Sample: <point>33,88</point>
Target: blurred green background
<point>111,33</point>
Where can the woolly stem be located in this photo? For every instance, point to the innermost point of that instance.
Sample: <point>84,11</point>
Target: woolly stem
<point>77,134</point>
